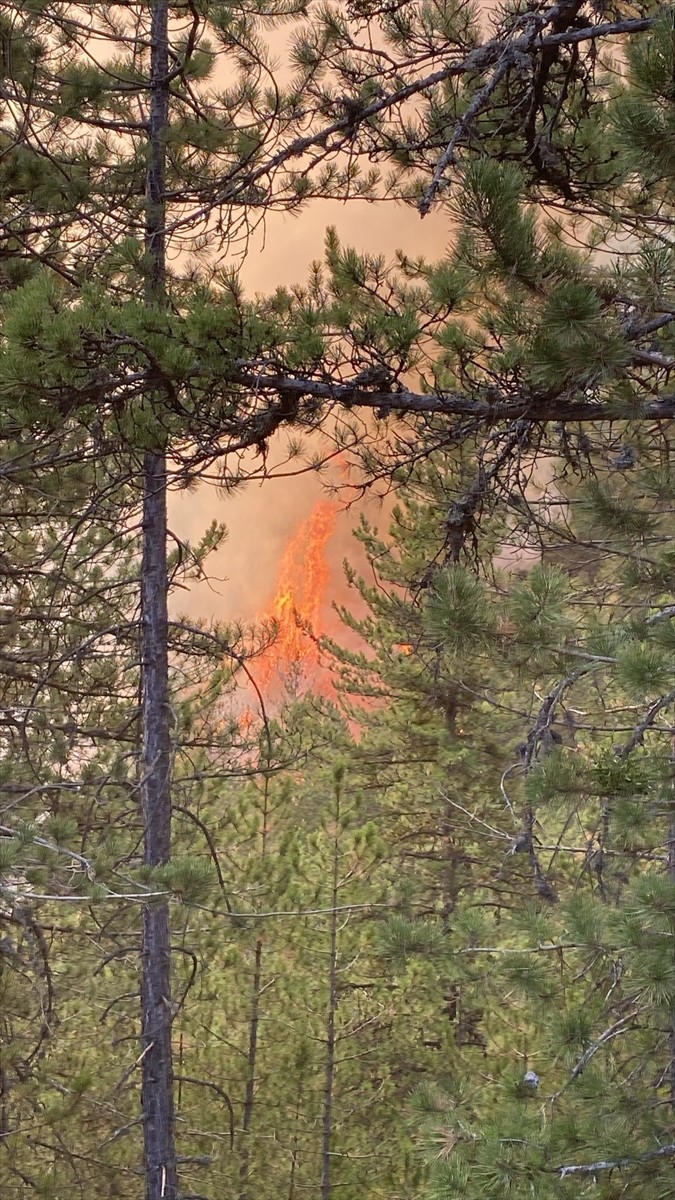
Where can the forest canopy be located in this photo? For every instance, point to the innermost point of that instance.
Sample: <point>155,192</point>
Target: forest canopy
<point>413,938</point>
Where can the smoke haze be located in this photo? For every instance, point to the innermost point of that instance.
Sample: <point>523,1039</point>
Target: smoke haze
<point>261,518</point>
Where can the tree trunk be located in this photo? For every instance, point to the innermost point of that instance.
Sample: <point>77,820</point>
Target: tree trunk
<point>671,874</point>
<point>296,1141</point>
<point>156,1016</point>
<point>331,1039</point>
<point>254,1025</point>
<point>249,1098</point>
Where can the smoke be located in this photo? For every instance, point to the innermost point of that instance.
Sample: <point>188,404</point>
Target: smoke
<point>262,517</point>
<point>287,541</point>
<point>281,252</point>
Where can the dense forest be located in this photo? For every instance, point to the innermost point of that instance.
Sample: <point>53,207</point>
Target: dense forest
<point>410,936</point>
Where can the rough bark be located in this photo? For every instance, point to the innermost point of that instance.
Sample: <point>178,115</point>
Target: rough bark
<point>156,1016</point>
<point>496,409</point>
<point>671,875</point>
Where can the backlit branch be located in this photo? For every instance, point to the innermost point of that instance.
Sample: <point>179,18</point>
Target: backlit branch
<point>500,407</point>
<point>502,52</point>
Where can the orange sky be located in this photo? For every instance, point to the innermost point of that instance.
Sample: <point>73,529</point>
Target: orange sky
<point>261,518</point>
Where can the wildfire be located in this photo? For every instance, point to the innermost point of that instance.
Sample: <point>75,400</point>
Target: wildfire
<point>296,610</point>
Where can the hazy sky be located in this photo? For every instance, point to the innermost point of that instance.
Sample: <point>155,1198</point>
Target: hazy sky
<point>262,517</point>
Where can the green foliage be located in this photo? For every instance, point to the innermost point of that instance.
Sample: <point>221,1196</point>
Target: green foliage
<point>643,114</point>
<point>189,879</point>
<point>539,868</point>
<point>473,897</point>
<point>603,509</point>
<point>458,614</point>
<point>575,341</point>
<point>491,204</point>
<point>586,920</point>
<point>538,606</point>
<point>401,938</point>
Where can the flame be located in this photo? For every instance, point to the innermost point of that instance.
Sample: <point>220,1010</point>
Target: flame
<point>302,580</point>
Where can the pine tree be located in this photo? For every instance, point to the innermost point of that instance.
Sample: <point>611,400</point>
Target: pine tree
<point>586,1034</point>
<point>589,969</point>
<point>547,879</point>
<point>68,581</point>
<point>296,1032</point>
<point>516,335</point>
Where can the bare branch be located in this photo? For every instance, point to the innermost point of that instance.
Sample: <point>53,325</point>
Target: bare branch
<point>637,736</point>
<point>614,1164</point>
<point>540,408</point>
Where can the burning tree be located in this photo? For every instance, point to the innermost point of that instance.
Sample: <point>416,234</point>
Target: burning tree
<point>299,601</point>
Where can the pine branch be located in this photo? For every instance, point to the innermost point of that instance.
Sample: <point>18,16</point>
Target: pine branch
<point>463,126</point>
<point>515,52</point>
<point>539,408</point>
<point>613,1164</point>
<point>479,59</point>
<point>619,1027</point>
<point>637,736</point>
<point>47,844</point>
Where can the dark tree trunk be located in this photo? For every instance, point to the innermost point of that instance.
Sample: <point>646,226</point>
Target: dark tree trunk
<point>249,1098</point>
<point>254,1025</point>
<point>156,1016</point>
<point>671,874</point>
<point>156,1066</point>
<point>331,1038</point>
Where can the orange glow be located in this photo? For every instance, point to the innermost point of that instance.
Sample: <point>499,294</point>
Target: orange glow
<point>297,608</point>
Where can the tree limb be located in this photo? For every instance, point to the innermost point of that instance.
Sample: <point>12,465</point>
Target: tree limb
<point>614,1163</point>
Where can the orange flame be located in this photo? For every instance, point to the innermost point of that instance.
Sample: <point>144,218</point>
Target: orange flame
<point>296,610</point>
